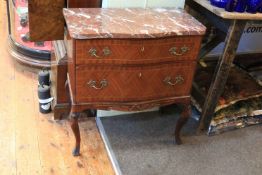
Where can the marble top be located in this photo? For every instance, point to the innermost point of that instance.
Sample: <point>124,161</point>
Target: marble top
<point>88,23</point>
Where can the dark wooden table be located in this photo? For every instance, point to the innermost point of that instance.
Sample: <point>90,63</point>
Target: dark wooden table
<point>231,26</point>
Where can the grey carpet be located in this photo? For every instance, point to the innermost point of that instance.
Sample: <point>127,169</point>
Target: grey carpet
<point>143,145</point>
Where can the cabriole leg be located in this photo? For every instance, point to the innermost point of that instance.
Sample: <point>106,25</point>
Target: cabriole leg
<point>75,128</point>
<point>186,113</point>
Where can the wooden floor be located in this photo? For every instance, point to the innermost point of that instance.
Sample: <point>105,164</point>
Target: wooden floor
<point>32,143</point>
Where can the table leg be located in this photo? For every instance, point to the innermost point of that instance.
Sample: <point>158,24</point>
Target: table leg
<point>221,73</point>
<point>73,123</point>
<point>75,128</point>
<point>186,113</point>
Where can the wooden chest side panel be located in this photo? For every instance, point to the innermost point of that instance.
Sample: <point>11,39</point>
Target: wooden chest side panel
<point>127,84</point>
<point>46,21</point>
<point>59,72</point>
<point>70,47</point>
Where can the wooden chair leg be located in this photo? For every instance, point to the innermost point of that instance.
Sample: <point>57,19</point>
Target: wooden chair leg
<point>181,122</point>
<point>75,128</point>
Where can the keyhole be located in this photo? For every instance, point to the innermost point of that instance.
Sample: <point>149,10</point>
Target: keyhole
<point>143,49</point>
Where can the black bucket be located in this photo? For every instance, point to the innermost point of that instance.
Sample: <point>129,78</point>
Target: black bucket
<point>44,77</point>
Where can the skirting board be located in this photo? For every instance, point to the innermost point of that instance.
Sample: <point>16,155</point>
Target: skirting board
<point>108,147</point>
<point>104,113</point>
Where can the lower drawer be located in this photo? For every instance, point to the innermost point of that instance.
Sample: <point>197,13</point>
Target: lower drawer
<point>127,84</point>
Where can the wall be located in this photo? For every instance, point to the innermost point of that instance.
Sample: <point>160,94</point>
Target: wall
<point>250,42</point>
<point>142,3</point>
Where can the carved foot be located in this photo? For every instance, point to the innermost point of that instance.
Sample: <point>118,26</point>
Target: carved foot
<point>76,151</point>
<point>75,128</point>
<point>181,122</point>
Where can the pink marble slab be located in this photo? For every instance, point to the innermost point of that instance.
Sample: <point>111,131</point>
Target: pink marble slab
<point>88,23</point>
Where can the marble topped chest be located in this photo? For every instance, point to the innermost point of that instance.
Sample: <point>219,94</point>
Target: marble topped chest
<point>131,59</point>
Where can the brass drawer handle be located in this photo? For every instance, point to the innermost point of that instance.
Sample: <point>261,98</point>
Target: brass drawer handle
<point>93,52</point>
<point>183,50</point>
<point>178,80</point>
<point>92,84</point>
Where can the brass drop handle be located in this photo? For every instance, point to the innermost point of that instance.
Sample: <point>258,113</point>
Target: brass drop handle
<point>183,50</point>
<point>93,52</point>
<point>178,80</point>
<point>92,84</point>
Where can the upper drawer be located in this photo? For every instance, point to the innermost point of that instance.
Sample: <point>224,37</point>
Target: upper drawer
<point>101,51</point>
<point>133,83</point>
<point>137,51</point>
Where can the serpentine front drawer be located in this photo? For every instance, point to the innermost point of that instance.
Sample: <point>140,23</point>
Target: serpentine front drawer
<point>133,83</point>
<point>136,51</point>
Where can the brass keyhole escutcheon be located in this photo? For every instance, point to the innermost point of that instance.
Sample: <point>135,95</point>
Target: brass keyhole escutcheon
<point>143,49</point>
<point>140,75</point>
<point>106,51</point>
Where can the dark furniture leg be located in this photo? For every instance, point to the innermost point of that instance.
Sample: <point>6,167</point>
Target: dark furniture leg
<point>75,128</point>
<point>74,123</point>
<point>221,73</point>
<point>186,113</point>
